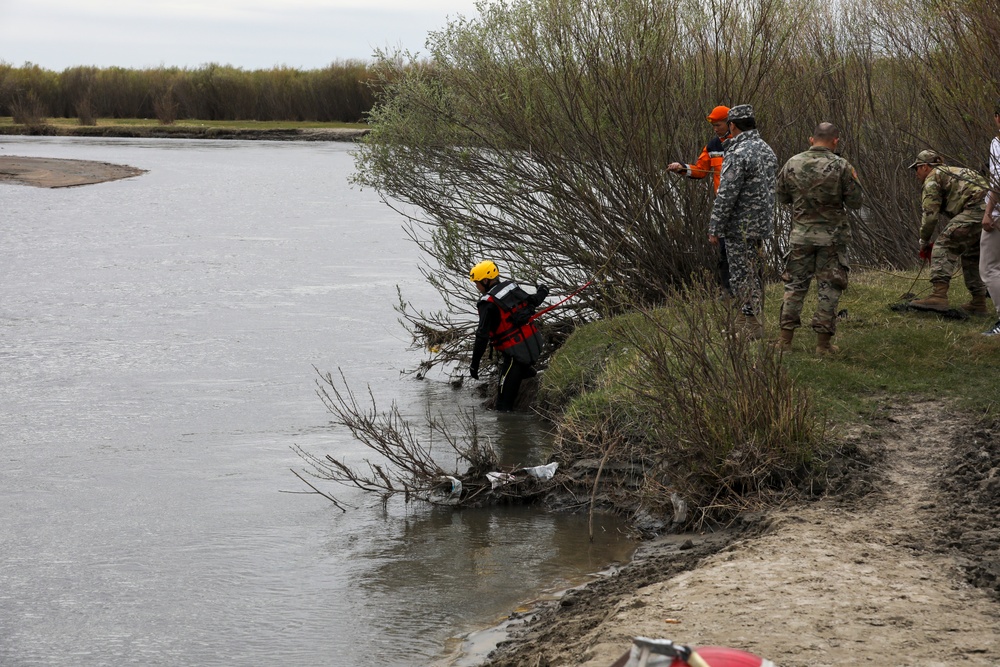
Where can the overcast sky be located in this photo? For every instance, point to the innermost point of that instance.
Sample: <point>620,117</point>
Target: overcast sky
<point>252,34</point>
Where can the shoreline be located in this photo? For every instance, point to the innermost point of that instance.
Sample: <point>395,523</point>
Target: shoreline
<point>536,622</point>
<point>899,565</point>
<point>188,132</point>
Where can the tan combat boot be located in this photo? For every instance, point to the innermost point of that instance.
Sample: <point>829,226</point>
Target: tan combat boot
<point>977,306</point>
<point>938,300</point>
<point>784,342</point>
<point>752,328</point>
<point>823,345</point>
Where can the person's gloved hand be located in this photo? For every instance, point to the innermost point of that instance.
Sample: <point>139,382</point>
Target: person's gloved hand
<point>925,250</point>
<point>474,371</point>
<point>542,290</point>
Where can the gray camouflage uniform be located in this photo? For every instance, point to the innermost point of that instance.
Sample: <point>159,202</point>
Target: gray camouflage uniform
<point>743,211</point>
<point>818,185</point>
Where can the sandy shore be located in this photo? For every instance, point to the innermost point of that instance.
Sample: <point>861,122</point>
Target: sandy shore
<point>906,573</point>
<point>59,173</point>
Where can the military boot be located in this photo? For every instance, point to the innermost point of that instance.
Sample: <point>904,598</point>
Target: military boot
<point>938,300</point>
<point>823,345</point>
<point>752,328</point>
<point>977,306</point>
<point>784,342</point>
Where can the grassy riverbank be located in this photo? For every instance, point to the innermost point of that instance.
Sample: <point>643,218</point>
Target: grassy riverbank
<point>883,353</point>
<point>188,129</point>
<point>911,433</point>
<point>736,426</point>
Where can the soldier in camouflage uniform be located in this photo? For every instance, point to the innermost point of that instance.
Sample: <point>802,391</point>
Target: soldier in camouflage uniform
<point>820,186</point>
<point>743,213</point>
<point>958,194</point>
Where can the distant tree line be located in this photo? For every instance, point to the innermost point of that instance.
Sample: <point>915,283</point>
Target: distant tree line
<point>337,93</point>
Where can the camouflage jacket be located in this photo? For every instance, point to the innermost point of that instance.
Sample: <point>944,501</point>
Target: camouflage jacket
<point>820,186</point>
<point>949,191</point>
<point>744,205</point>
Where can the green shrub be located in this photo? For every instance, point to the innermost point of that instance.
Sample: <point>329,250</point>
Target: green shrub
<point>704,414</point>
<point>581,364</point>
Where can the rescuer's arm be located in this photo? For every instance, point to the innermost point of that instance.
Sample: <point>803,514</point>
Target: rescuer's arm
<point>851,187</point>
<point>488,317</point>
<point>541,291</point>
<point>930,206</point>
<point>700,169</point>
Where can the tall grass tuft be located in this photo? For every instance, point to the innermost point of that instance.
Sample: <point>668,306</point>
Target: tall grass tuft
<point>689,409</point>
<point>730,427</point>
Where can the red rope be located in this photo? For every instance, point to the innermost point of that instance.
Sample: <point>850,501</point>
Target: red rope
<point>542,312</point>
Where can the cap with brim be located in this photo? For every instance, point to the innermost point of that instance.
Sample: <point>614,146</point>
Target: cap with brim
<point>925,157</point>
<point>740,112</point>
<point>718,113</point>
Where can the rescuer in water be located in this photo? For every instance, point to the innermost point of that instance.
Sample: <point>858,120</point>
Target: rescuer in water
<point>505,322</point>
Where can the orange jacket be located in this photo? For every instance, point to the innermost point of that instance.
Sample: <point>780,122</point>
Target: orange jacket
<point>709,162</point>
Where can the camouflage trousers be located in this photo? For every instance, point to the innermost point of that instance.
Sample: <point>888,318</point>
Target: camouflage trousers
<point>746,273</point>
<point>829,265</point>
<point>958,245</point>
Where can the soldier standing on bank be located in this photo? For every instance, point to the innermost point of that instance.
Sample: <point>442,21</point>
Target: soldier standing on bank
<point>743,214</point>
<point>820,186</point>
<point>958,194</point>
<point>710,163</point>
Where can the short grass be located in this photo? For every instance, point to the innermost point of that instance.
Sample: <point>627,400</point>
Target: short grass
<point>885,353</point>
<point>228,124</point>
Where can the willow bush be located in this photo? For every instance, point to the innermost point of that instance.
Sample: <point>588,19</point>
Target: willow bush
<point>537,133</point>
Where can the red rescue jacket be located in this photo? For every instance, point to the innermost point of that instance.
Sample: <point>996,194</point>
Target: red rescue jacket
<point>516,335</point>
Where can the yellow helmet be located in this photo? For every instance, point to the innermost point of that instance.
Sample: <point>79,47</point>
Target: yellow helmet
<point>483,270</point>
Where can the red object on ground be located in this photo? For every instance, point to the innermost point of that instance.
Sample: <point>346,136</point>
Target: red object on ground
<point>720,656</point>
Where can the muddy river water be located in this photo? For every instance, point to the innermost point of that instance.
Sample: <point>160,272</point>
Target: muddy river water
<point>157,343</point>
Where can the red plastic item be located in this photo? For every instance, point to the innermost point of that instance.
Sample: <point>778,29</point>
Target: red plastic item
<point>720,656</point>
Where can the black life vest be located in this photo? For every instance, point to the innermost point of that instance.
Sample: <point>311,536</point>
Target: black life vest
<point>516,335</point>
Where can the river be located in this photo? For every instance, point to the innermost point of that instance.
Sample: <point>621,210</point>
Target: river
<point>158,337</point>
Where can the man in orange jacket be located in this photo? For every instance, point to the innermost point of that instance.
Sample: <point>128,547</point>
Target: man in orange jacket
<point>710,162</point>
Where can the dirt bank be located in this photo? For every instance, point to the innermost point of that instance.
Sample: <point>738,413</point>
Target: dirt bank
<point>907,574</point>
<point>58,173</point>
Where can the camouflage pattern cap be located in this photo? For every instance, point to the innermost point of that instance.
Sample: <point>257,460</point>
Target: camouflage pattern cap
<point>925,157</point>
<point>740,112</point>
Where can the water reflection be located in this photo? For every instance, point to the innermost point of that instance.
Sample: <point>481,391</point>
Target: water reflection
<point>158,340</point>
<point>522,439</point>
<point>439,572</point>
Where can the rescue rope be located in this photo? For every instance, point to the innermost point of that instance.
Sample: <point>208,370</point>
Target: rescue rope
<point>542,312</point>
